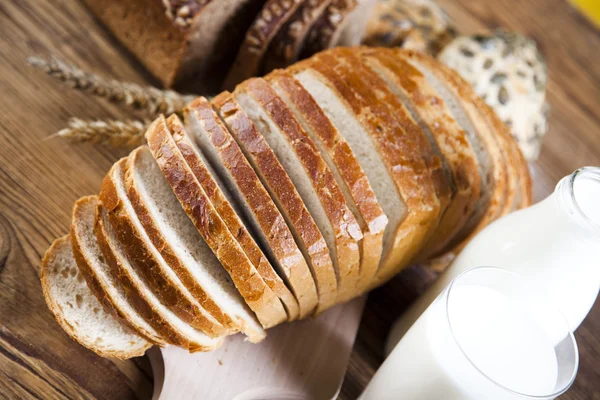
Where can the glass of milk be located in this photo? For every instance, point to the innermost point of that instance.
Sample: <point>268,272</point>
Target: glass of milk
<point>488,336</point>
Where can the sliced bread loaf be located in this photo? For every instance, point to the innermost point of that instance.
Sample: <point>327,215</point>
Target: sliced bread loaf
<point>273,16</point>
<point>146,258</point>
<point>260,272</point>
<point>285,195</point>
<point>348,173</point>
<point>326,31</point>
<point>311,176</point>
<point>93,267</point>
<point>141,296</point>
<point>286,45</point>
<point>274,235</point>
<point>77,310</point>
<point>389,158</point>
<point>437,121</point>
<point>199,230</point>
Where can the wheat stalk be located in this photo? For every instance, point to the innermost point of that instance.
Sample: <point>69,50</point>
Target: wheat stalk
<point>109,132</point>
<point>150,99</point>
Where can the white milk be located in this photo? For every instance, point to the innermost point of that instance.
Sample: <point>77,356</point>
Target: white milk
<point>555,244</point>
<point>496,333</point>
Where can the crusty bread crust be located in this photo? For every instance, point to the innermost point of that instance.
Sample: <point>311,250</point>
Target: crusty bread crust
<point>96,285</point>
<point>403,157</point>
<point>276,297</point>
<point>286,45</point>
<point>201,212</point>
<point>450,138</point>
<point>326,31</point>
<point>151,266</point>
<point>279,185</point>
<point>274,14</point>
<point>140,295</point>
<point>352,175</point>
<point>346,229</point>
<point>57,247</point>
<point>293,265</point>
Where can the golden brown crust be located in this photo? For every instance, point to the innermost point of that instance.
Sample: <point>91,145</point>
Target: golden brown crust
<point>403,157</point>
<point>200,210</point>
<point>57,246</point>
<point>326,30</point>
<point>351,173</point>
<point>85,265</point>
<point>244,274</point>
<point>346,229</point>
<point>451,140</point>
<point>274,14</point>
<point>137,294</point>
<point>277,182</point>
<point>141,253</point>
<point>278,235</point>
<point>286,45</point>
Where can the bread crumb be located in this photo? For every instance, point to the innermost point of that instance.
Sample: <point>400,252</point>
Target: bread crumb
<point>220,362</point>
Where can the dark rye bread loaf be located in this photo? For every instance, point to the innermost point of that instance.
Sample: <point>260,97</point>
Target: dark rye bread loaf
<point>274,14</point>
<point>181,42</point>
<point>277,182</point>
<point>350,176</point>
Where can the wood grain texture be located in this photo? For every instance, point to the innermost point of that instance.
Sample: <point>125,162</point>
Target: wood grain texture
<point>40,179</point>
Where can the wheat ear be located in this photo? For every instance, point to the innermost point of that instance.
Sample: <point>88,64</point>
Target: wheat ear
<point>109,132</point>
<point>150,99</point>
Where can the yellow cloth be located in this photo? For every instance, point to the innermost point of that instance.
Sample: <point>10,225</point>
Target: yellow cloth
<point>591,8</point>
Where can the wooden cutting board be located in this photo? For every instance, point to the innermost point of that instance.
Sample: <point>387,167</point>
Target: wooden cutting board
<point>303,360</point>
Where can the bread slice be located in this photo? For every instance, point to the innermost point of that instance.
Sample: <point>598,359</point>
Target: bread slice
<point>141,296</point>
<point>355,26</point>
<point>93,267</point>
<point>146,258</point>
<point>389,159</point>
<point>273,16</point>
<point>284,193</point>
<point>326,32</point>
<point>272,232</point>
<point>260,283</point>
<point>77,310</point>
<point>311,176</point>
<point>198,230</point>
<point>436,119</point>
<point>286,45</point>
<point>348,173</point>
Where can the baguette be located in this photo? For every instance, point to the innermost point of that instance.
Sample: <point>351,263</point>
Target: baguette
<point>77,310</point>
<point>96,272</point>
<point>351,178</point>
<point>224,154</point>
<point>312,178</point>
<point>213,234</point>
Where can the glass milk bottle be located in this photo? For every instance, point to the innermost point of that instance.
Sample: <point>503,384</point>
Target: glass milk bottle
<point>555,244</point>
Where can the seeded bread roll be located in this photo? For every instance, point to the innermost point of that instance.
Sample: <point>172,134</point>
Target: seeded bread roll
<point>94,268</point>
<point>77,310</point>
<point>282,190</point>
<point>274,15</point>
<point>351,178</point>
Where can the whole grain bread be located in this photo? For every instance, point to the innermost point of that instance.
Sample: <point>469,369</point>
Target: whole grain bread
<point>260,283</point>
<point>96,272</point>
<point>141,296</point>
<point>274,15</point>
<point>345,166</point>
<point>274,235</point>
<point>310,175</point>
<point>78,311</point>
<point>146,258</point>
<point>188,44</point>
<point>286,45</point>
<point>436,119</point>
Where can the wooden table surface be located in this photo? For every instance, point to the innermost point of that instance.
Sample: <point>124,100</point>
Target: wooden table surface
<point>40,179</point>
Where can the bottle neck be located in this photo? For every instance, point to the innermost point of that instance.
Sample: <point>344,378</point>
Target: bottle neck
<point>578,197</point>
